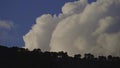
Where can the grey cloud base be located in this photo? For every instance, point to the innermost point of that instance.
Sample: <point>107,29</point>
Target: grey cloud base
<point>80,28</point>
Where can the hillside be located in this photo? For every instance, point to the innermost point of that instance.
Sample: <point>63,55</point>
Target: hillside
<point>23,58</point>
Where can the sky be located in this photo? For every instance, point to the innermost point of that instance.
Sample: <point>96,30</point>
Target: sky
<point>73,26</point>
<point>23,13</point>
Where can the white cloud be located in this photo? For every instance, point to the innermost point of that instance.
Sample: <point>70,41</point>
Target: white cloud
<point>5,24</point>
<point>104,24</point>
<point>81,28</point>
<point>40,35</point>
<point>5,28</point>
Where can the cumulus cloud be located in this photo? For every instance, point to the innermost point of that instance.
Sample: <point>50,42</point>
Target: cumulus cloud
<point>40,34</point>
<point>80,28</point>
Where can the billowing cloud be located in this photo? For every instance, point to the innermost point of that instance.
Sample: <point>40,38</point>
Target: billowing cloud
<point>80,28</point>
<point>40,35</point>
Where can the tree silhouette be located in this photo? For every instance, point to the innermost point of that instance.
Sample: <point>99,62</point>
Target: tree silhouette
<point>78,56</point>
<point>19,58</point>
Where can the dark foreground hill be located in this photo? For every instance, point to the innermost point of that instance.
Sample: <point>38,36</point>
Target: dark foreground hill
<point>22,58</point>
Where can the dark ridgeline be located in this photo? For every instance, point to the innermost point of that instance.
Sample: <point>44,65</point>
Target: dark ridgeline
<point>23,58</point>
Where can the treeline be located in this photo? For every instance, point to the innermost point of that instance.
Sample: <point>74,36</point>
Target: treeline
<point>23,58</point>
